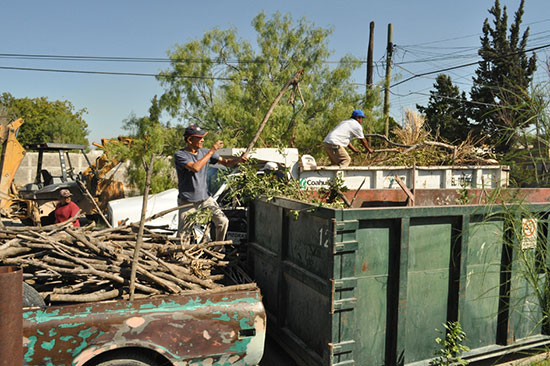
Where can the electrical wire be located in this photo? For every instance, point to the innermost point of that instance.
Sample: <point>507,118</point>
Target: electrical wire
<point>24,56</point>
<point>423,57</point>
<point>108,73</point>
<point>407,48</point>
<point>461,66</point>
<point>467,36</point>
<point>448,98</point>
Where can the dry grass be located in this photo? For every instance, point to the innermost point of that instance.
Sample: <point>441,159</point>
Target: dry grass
<point>413,131</point>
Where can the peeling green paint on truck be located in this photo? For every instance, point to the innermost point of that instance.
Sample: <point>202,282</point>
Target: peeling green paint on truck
<point>226,328</point>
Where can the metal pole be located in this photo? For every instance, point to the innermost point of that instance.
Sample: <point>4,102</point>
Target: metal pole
<point>370,56</point>
<point>389,51</point>
<point>11,316</point>
<point>369,75</point>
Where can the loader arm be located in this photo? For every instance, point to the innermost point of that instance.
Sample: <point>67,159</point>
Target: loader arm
<point>12,155</point>
<point>101,187</point>
<point>105,163</point>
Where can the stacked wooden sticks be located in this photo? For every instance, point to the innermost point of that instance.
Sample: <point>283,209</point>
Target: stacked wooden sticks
<point>69,264</point>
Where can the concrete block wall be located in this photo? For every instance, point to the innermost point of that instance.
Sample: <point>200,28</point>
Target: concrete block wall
<point>27,170</point>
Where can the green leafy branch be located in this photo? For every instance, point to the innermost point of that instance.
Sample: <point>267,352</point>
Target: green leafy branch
<point>451,346</point>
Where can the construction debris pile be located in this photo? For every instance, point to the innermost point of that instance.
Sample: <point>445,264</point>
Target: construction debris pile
<point>70,264</point>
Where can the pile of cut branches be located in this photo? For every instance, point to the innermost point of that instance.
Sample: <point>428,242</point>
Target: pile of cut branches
<point>70,264</point>
<point>415,147</point>
<point>250,184</point>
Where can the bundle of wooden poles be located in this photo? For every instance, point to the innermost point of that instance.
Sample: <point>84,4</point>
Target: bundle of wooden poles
<point>71,264</point>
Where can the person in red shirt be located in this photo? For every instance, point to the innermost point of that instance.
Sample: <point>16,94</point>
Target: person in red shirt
<point>66,208</point>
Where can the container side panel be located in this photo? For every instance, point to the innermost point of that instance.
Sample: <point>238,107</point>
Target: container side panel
<point>310,244</point>
<point>525,311</point>
<point>307,315</point>
<point>479,310</point>
<point>268,219</point>
<point>427,286</point>
<point>266,276</point>
<point>430,179</point>
<point>344,282</point>
<point>363,179</point>
<point>372,269</point>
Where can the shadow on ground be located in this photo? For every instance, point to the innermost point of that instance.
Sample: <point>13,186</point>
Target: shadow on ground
<point>274,355</point>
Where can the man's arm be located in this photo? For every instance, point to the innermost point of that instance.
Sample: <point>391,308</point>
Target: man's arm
<point>358,132</point>
<point>199,164</point>
<point>231,162</point>
<point>366,145</point>
<point>353,148</point>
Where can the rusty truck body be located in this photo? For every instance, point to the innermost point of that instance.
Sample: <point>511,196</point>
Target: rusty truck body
<point>206,328</point>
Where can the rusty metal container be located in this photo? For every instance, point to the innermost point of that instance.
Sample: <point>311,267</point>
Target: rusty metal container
<point>11,320</point>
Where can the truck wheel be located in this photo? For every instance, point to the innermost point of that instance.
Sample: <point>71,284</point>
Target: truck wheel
<point>126,357</point>
<point>125,362</point>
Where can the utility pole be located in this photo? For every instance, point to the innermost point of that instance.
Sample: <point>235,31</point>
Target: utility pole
<point>389,51</point>
<point>369,75</point>
<point>369,57</point>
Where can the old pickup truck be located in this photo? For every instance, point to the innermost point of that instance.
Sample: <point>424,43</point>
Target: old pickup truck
<point>204,328</point>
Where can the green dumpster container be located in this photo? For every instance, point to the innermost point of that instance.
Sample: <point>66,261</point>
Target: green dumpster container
<point>370,286</point>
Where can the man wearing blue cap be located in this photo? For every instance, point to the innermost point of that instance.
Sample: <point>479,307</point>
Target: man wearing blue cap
<point>340,138</point>
<point>191,166</point>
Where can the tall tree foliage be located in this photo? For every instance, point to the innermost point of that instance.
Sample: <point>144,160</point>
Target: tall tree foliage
<point>502,79</point>
<point>46,121</point>
<point>149,137</point>
<point>446,110</point>
<point>248,78</point>
<point>536,137</point>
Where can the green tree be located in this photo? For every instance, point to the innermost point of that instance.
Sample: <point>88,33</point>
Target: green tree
<point>225,84</point>
<point>535,135</point>
<point>149,137</point>
<point>46,121</point>
<point>446,113</point>
<point>502,79</point>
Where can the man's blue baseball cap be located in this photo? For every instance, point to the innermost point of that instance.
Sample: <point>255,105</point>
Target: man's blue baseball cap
<point>357,113</point>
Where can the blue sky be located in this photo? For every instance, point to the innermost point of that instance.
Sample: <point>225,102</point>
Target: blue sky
<point>429,35</point>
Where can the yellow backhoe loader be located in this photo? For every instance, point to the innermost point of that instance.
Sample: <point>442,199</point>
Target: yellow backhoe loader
<point>12,155</point>
<point>33,203</point>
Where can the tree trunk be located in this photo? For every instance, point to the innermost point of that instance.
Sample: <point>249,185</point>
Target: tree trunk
<point>139,240</point>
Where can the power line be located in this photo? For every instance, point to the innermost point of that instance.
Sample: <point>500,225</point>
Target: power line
<point>107,73</point>
<point>406,48</point>
<point>426,56</point>
<point>443,40</point>
<point>466,36</point>
<point>24,56</point>
<point>461,66</point>
<point>449,98</point>
<point>154,59</point>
